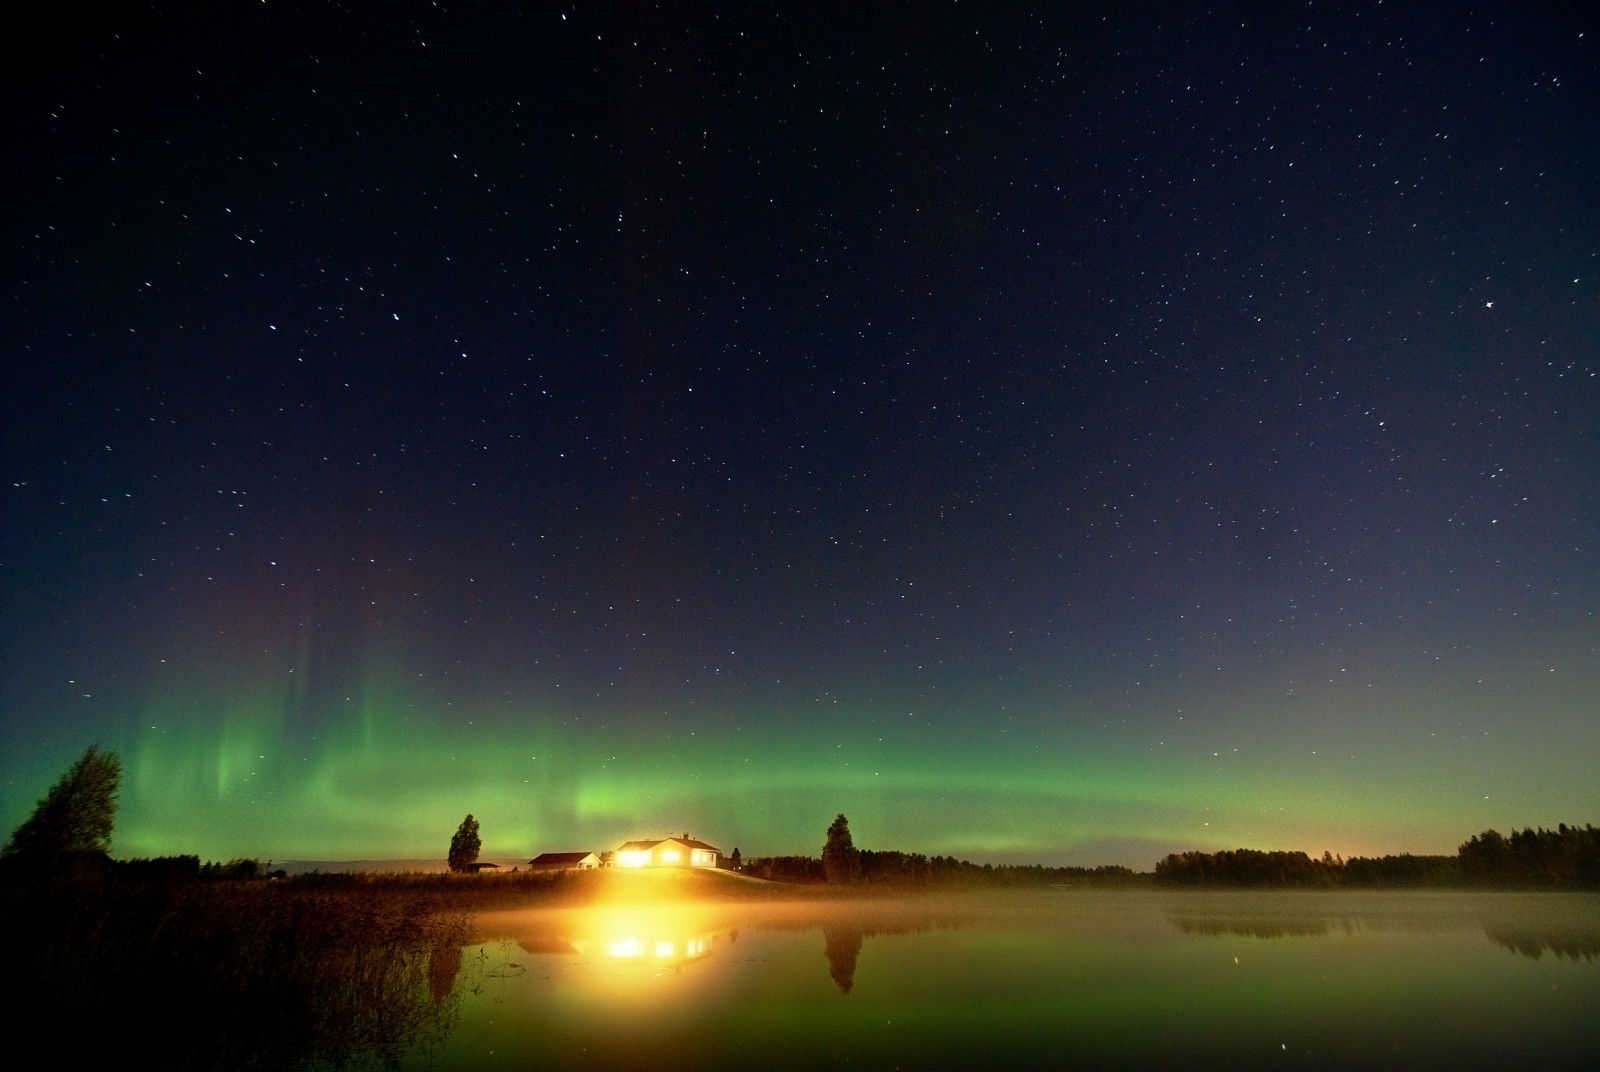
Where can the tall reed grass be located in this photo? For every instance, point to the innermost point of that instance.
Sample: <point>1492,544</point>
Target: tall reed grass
<point>243,974</point>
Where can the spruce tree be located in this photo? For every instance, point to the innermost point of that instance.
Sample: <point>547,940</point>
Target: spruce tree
<point>465,845</point>
<point>840,861</point>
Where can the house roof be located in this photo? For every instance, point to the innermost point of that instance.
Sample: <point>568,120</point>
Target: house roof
<point>562,857</point>
<point>646,846</point>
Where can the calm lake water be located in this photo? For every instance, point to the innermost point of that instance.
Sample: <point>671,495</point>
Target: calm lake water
<point>1044,979</point>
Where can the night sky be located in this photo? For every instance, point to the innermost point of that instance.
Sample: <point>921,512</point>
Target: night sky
<point>1057,433</point>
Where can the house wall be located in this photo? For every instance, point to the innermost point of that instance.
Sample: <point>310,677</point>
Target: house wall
<point>669,853</point>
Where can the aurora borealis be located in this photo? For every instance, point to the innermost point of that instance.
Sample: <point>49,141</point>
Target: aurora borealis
<point>1042,436</point>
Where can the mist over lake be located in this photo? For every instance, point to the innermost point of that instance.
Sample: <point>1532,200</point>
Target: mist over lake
<point>1118,979</point>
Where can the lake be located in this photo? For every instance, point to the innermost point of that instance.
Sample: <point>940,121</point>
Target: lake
<point>1052,978</point>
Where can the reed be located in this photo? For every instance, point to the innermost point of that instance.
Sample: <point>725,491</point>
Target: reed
<point>229,974</point>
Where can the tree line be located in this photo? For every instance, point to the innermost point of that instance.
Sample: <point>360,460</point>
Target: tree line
<point>916,869</point>
<point>1567,857</point>
<point>842,863</point>
<point>72,826</point>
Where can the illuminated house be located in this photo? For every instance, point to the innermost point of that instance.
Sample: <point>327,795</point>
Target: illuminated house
<point>564,861</point>
<point>668,852</point>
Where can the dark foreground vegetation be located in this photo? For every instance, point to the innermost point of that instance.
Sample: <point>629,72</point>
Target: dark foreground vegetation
<point>1566,858</point>
<point>210,972</point>
<point>233,965</point>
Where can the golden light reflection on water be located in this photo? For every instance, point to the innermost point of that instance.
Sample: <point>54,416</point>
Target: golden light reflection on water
<point>626,956</point>
<point>657,937</point>
<point>1127,980</point>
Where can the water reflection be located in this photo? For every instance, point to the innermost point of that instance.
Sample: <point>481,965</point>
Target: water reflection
<point>660,950</point>
<point>1566,927</point>
<point>1253,928</point>
<point>1536,943</point>
<point>842,947</point>
<point>675,936</point>
<point>635,937</point>
<point>444,964</point>
<point>1530,925</point>
<point>1124,979</point>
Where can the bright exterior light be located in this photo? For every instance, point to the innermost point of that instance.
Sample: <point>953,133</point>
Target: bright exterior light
<point>664,950</point>
<point>625,947</point>
<point>671,856</point>
<point>633,858</point>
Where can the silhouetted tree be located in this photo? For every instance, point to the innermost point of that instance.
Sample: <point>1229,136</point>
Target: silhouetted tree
<point>237,868</point>
<point>1486,858</point>
<point>840,861</point>
<point>787,868</point>
<point>1566,857</point>
<point>76,815</point>
<point>1247,867</point>
<point>465,845</point>
<point>1402,870</point>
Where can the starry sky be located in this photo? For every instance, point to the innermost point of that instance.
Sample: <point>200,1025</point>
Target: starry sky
<point>1044,433</point>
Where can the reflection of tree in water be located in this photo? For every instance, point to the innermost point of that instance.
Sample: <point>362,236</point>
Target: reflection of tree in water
<point>1533,940</point>
<point>444,964</point>
<point>1253,928</point>
<point>842,941</point>
<point>842,945</point>
<point>1528,925</point>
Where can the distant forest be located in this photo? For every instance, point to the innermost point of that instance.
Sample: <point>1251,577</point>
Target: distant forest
<point>1566,858</point>
<point>915,869</point>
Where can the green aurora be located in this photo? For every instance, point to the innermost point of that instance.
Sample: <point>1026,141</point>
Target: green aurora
<point>1056,434</point>
<point>229,774</point>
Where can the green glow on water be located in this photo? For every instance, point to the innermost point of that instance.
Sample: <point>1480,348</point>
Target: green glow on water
<point>1037,980</point>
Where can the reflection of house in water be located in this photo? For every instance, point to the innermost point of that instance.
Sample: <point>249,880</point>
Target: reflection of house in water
<point>564,861</point>
<point>668,852</point>
<point>648,938</point>
<point>546,945</point>
<point>660,949</point>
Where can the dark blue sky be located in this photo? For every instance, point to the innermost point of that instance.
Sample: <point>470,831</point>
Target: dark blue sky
<point>428,378</point>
